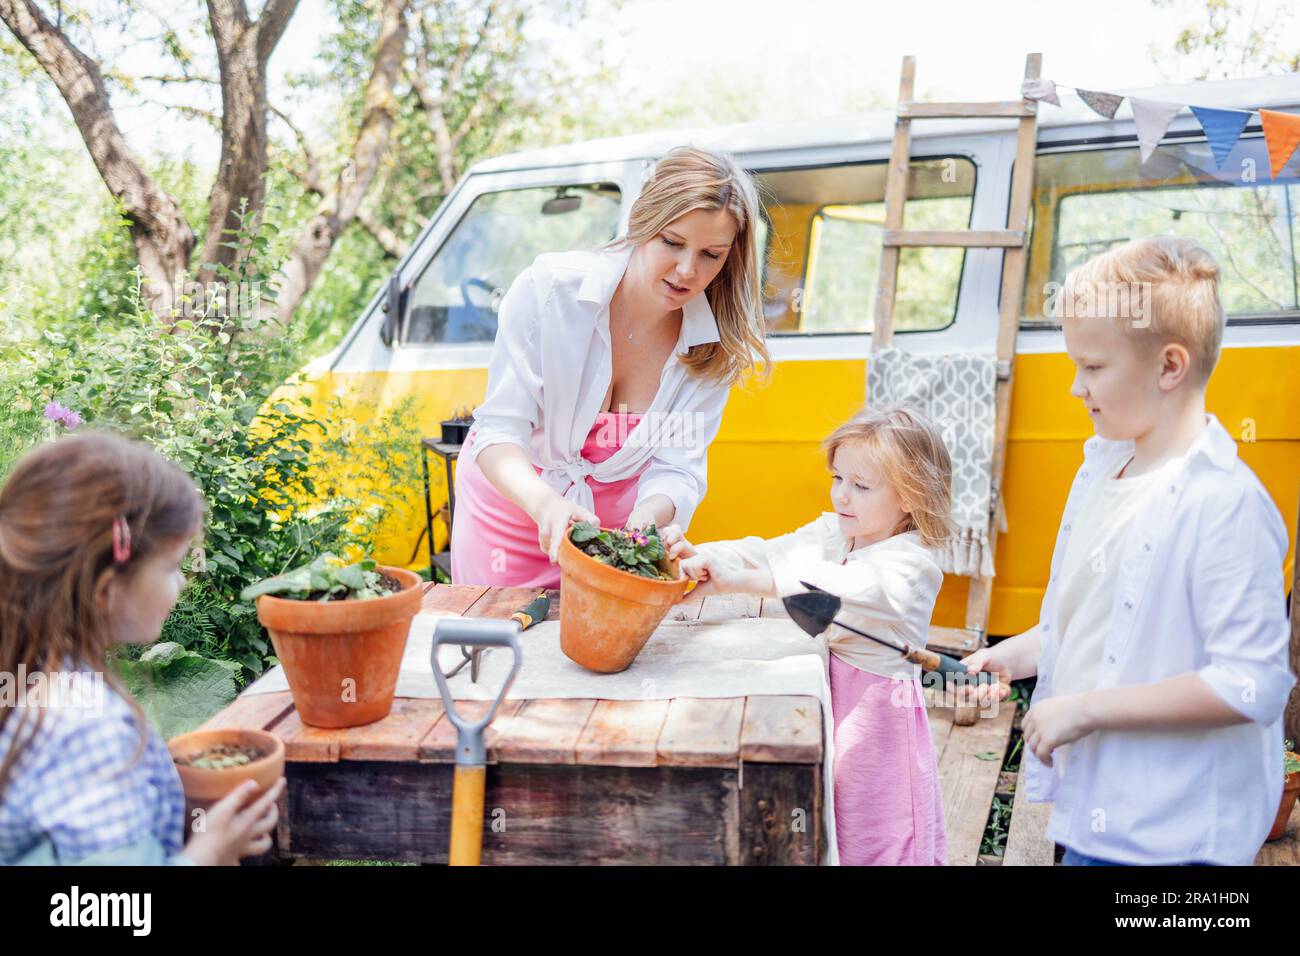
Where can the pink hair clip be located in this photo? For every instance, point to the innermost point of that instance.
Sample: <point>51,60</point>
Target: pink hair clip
<point>121,540</point>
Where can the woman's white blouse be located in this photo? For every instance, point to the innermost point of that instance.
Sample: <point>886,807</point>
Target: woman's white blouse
<point>551,367</point>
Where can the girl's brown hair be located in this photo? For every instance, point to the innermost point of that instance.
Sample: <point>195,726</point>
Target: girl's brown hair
<point>688,179</point>
<point>911,456</point>
<point>57,510</point>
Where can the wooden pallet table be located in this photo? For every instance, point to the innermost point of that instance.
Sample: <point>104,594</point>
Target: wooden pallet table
<point>681,781</point>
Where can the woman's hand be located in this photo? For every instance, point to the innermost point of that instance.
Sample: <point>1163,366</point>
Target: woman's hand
<point>554,518</point>
<point>232,831</point>
<point>676,544</point>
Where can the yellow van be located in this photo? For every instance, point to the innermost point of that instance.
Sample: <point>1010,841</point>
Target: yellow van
<point>429,333</point>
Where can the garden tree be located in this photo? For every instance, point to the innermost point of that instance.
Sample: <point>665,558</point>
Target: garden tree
<point>164,241</point>
<point>1232,39</point>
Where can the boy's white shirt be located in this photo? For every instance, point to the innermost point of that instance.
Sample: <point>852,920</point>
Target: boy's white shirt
<point>1200,590</point>
<point>888,588</point>
<point>551,366</point>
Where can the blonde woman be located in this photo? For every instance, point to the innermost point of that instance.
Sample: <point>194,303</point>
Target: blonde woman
<point>609,375</point>
<point>890,487</point>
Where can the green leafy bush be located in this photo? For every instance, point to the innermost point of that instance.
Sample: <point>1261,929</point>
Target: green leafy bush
<point>178,689</point>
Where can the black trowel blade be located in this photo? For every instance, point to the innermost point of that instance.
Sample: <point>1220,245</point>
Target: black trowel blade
<point>813,612</point>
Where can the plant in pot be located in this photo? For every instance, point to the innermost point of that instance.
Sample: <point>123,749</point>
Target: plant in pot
<point>456,429</point>
<point>339,631</point>
<point>211,763</point>
<point>1290,791</point>
<point>616,586</point>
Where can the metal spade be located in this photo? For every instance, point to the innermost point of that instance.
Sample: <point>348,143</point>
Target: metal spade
<point>815,611</point>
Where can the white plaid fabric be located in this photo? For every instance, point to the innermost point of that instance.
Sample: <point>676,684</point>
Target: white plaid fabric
<point>77,786</point>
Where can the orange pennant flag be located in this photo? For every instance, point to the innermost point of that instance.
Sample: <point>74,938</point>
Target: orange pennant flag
<point>1282,134</point>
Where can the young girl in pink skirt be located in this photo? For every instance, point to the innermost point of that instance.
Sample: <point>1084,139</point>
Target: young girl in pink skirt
<point>891,492</point>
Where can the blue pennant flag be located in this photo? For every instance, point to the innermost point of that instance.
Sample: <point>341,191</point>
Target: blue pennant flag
<point>1222,128</point>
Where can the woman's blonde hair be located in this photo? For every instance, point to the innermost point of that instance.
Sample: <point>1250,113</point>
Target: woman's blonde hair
<point>911,456</point>
<point>688,179</point>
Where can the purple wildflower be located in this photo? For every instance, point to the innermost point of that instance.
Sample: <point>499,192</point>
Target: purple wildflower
<point>63,415</point>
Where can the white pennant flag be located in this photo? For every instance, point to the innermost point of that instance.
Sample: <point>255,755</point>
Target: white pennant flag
<point>1152,118</point>
<point>1044,90</point>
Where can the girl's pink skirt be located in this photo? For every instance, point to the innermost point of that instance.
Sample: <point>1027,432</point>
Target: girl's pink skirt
<point>888,808</point>
<point>494,543</point>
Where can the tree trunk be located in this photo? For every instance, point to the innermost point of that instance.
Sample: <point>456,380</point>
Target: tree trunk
<point>162,238</point>
<point>339,206</point>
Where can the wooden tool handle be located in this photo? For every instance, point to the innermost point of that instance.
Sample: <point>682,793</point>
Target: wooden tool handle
<point>467,816</point>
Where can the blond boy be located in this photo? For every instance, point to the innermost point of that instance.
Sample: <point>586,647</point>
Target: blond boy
<point>1161,648</point>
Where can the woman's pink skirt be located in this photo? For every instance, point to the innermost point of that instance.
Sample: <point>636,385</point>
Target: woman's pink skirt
<point>888,807</point>
<point>494,543</point>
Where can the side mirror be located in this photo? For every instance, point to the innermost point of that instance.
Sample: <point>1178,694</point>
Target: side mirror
<point>394,309</point>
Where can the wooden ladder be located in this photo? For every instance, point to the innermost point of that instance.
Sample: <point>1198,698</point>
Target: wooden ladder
<point>1014,241</point>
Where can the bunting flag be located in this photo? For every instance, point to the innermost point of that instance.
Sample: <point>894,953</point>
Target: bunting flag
<point>1044,90</point>
<point>1222,129</point>
<point>1152,118</point>
<point>1103,104</point>
<point>1282,135</point>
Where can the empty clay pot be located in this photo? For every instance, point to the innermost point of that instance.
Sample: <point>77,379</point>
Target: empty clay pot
<point>204,787</point>
<point>607,615</point>
<point>341,658</point>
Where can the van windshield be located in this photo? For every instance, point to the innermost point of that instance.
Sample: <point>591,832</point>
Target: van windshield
<point>456,297</point>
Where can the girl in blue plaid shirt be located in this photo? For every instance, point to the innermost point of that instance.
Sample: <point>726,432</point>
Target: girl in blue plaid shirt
<point>93,529</point>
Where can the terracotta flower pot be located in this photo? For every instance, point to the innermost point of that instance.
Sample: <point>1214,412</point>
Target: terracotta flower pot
<point>341,657</point>
<point>1290,790</point>
<point>607,615</point>
<point>204,787</point>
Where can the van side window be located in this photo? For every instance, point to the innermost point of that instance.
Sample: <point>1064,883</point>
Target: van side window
<point>455,299</point>
<point>1090,201</point>
<point>823,246</point>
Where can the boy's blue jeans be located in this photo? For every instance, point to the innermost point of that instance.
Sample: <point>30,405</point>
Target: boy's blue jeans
<point>1080,859</point>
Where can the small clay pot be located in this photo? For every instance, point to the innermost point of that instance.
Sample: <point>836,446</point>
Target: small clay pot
<point>607,615</point>
<point>1290,791</point>
<point>341,658</point>
<point>204,787</point>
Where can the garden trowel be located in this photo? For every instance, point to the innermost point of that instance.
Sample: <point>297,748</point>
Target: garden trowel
<point>815,610</point>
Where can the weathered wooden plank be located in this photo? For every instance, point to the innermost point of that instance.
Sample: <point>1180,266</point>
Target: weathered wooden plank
<point>968,773</point>
<point>1011,108</point>
<point>773,607</point>
<point>253,711</point>
<point>306,744</point>
<point>622,733</point>
<point>702,732</point>
<point>940,728</point>
<point>1027,843</point>
<point>397,736</point>
<point>729,607</point>
<point>502,602</point>
<point>439,744</point>
<point>958,238</point>
<point>543,731</point>
<point>780,815</point>
<point>533,814</point>
<point>452,599</point>
<point>781,729</point>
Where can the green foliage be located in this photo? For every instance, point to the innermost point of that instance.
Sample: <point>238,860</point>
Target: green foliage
<point>1290,758</point>
<point>178,689</point>
<point>640,552</point>
<point>326,578</point>
<point>206,394</point>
